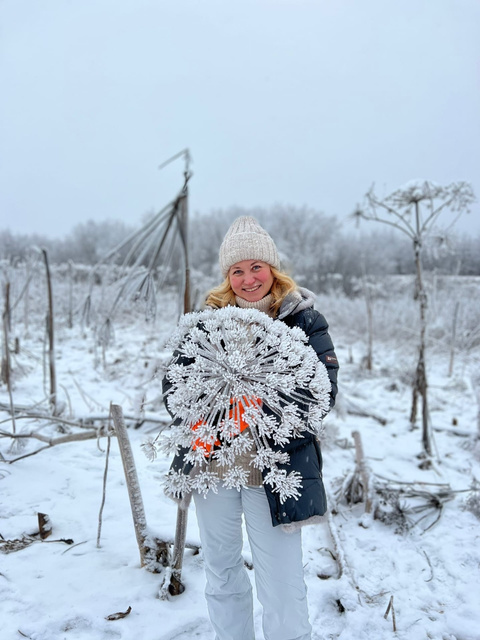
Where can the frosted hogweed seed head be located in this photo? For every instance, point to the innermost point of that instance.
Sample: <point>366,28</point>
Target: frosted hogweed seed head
<point>205,481</point>
<point>196,334</point>
<point>243,353</point>
<point>298,334</point>
<point>210,326</point>
<point>190,349</point>
<point>195,456</point>
<point>228,429</point>
<point>273,379</point>
<point>236,361</point>
<point>215,337</point>
<point>279,364</point>
<point>251,414</point>
<point>288,382</point>
<point>175,373</point>
<point>178,484</point>
<point>315,419</point>
<point>242,444</point>
<point>272,340</point>
<point>265,425</point>
<point>287,485</point>
<point>294,359</point>
<point>235,478</point>
<point>267,458</point>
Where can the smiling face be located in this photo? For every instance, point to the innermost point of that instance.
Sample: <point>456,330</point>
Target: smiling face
<point>251,279</point>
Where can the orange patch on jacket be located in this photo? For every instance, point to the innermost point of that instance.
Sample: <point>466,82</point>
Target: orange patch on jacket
<point>236,413</point>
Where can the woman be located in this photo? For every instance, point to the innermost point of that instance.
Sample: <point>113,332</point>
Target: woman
<point>251,267</point>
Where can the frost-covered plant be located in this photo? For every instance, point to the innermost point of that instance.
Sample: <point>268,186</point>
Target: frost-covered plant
<point>241,384</point>
<point>410,505</point>
<point>414,210</point>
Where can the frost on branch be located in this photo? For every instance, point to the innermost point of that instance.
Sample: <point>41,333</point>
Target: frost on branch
<point>149,449</point>
<point>240,383</point>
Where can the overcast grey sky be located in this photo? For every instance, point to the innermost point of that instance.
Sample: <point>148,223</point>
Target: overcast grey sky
<point>279,101</point>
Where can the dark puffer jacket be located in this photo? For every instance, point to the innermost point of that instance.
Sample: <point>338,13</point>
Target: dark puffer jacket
<point>305,455</point>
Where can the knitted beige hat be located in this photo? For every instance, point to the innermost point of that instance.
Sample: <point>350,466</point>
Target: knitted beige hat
<point>246,240</point>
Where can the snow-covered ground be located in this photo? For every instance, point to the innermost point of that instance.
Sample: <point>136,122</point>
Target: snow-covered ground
<point>51,590</point>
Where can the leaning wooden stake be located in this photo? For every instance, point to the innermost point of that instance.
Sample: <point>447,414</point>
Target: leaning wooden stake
<point>153,551</point>
<point>134,493</point>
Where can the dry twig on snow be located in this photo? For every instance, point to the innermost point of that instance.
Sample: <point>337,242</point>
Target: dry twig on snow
<point>51,442</point>
<point>392,609</point>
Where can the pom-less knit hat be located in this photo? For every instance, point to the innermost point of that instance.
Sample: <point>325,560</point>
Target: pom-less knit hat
<point>246,240</point>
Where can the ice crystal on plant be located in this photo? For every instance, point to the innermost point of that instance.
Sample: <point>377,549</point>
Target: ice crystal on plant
<point>240,381</point>
<point>287,485</point>
<point>178,484</point>
<point>205,481</point>
<point>267,458</point>
<point>235,478</point>
<point>149,449</point>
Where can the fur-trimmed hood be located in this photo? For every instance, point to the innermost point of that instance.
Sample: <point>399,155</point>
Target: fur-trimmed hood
<point>296,301</point>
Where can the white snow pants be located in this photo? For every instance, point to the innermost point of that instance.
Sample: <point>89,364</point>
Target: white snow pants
<point>277,560</point>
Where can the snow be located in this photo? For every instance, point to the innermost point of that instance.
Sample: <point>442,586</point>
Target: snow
<point>52,590</point>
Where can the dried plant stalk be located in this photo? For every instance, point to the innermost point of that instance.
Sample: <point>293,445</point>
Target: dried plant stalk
<point>105,475</point>
<point>6,364</point>
<point>392,609</point>
<point>363,471</point>
<point>51,337</point>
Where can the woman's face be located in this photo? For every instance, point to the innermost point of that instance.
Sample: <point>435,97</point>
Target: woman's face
<point>251,279</point>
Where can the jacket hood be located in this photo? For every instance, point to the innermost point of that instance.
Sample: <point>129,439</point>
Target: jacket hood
<point>296,301</point>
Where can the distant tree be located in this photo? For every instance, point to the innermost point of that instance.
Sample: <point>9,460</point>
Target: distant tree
<point>206,234</point>
<point>16,247</point>
<point>90,240</point>
<point>469,249</point>
<point>305,238</point>
<point>414,210</point>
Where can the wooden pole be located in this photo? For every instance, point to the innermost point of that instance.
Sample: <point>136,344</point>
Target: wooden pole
<point>133,486</point>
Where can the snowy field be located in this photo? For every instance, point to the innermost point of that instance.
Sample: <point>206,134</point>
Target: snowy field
<point>428,560</point>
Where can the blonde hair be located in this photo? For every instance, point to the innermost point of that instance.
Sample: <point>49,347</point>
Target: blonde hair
<point>223,295</point>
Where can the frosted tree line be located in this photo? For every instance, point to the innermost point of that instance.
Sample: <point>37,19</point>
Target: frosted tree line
<point>325,252</point>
